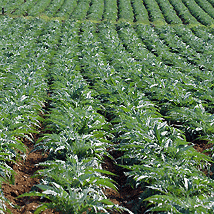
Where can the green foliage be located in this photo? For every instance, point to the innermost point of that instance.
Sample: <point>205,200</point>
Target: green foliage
<point>96,10</point>
<point>171,204</point>
<point>140,12</point>
<point>156,154</point>
<point>53,7</point>
<point>125,11</point>
<point>198,12</point>
<point>81,10</point>
<point>183,12</point>
<point>169,12</point>
<point>73,180</point>
<point>23,93</point>
<point>154,11</point>
<point>67,8</point>
<point>206,6</point>
<point>39,7</point>
<point>75,186</point>
<point>110,10</point>
<point>110,83</point>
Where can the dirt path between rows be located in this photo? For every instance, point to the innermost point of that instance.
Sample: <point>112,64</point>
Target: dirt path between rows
<point>126,196</point>
<point>24,169</point>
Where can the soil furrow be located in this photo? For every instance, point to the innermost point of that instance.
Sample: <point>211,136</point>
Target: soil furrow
<point>26,168</point>
<point>126,196</point>
<point>24,182</point>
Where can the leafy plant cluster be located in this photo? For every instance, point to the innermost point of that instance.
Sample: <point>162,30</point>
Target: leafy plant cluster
<point>10,6</point>
<point>162,51</point>
<point>23,8</point>
<point>81,10</point>
<point>193,52</point>
<point>159,11</point>
<point>39,7</point>
<point>73,179</point>
<point>125,10</point>
<point>140,12</point>
<point>203,33</point>
<point>172,178</point>
<point>183,12</point>
<point>110,10</point>
<point>169,12</point>
<point>137,120</point>
<point>198,12</point>
<point>169,94</point>
<point>33,8</point>
<point>66,9</point>
<point>155,14</point>
<point>206,6</point>
<point>53,7</point>
<point>22,92</point>
<point>112,87</point>
<point>211,2</point>
<point>194,41</point>
<point>116,80</point>
<point>96,10</point>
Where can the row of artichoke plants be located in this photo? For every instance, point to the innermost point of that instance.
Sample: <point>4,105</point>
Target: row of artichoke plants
<point>110,10</point>
<point>73,179</point>
<point>23,92</point>
<point>155,14</point>
<point>158,155</point>
<point>98,74</point>
<point>169,12</point>
<point>188,100</point>
<point>183,12</point>
<point>198,12</point>
<point>96,10</point>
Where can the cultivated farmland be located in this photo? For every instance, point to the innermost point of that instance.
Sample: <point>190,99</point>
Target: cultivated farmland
<point>108,104</point>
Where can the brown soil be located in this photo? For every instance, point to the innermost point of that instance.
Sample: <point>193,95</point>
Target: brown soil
<point>202,145</point>
<point>126,196</point>
<point>23,183</point>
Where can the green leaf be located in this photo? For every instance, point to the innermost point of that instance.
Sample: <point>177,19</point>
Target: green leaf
<point>41,208</point>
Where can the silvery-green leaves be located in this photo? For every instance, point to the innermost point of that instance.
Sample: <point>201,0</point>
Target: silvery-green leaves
<point>75,185</point>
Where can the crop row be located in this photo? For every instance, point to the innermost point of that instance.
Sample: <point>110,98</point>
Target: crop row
<point>169,12</point>
<point>67,8</point>
<point>140,12</point>
<point>126,79</point>
<point>110,10</point>
<point>193,89</point>
<point>156,11</point>
<point>155,14</point>
<point>198,12</point>
<point>157,154</point>
<point>206,6</point>
<point>26,70</point>
<point>110,83</point>
<point>73,179</point>
<point>125,10</point>
<point>96,10</point>
<point>23,91</point>
<point>211,2</point>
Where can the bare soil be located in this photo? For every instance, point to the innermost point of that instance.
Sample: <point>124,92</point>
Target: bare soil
<point>126,196</point>
<point>202,145</point>
<point>24,182</point>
